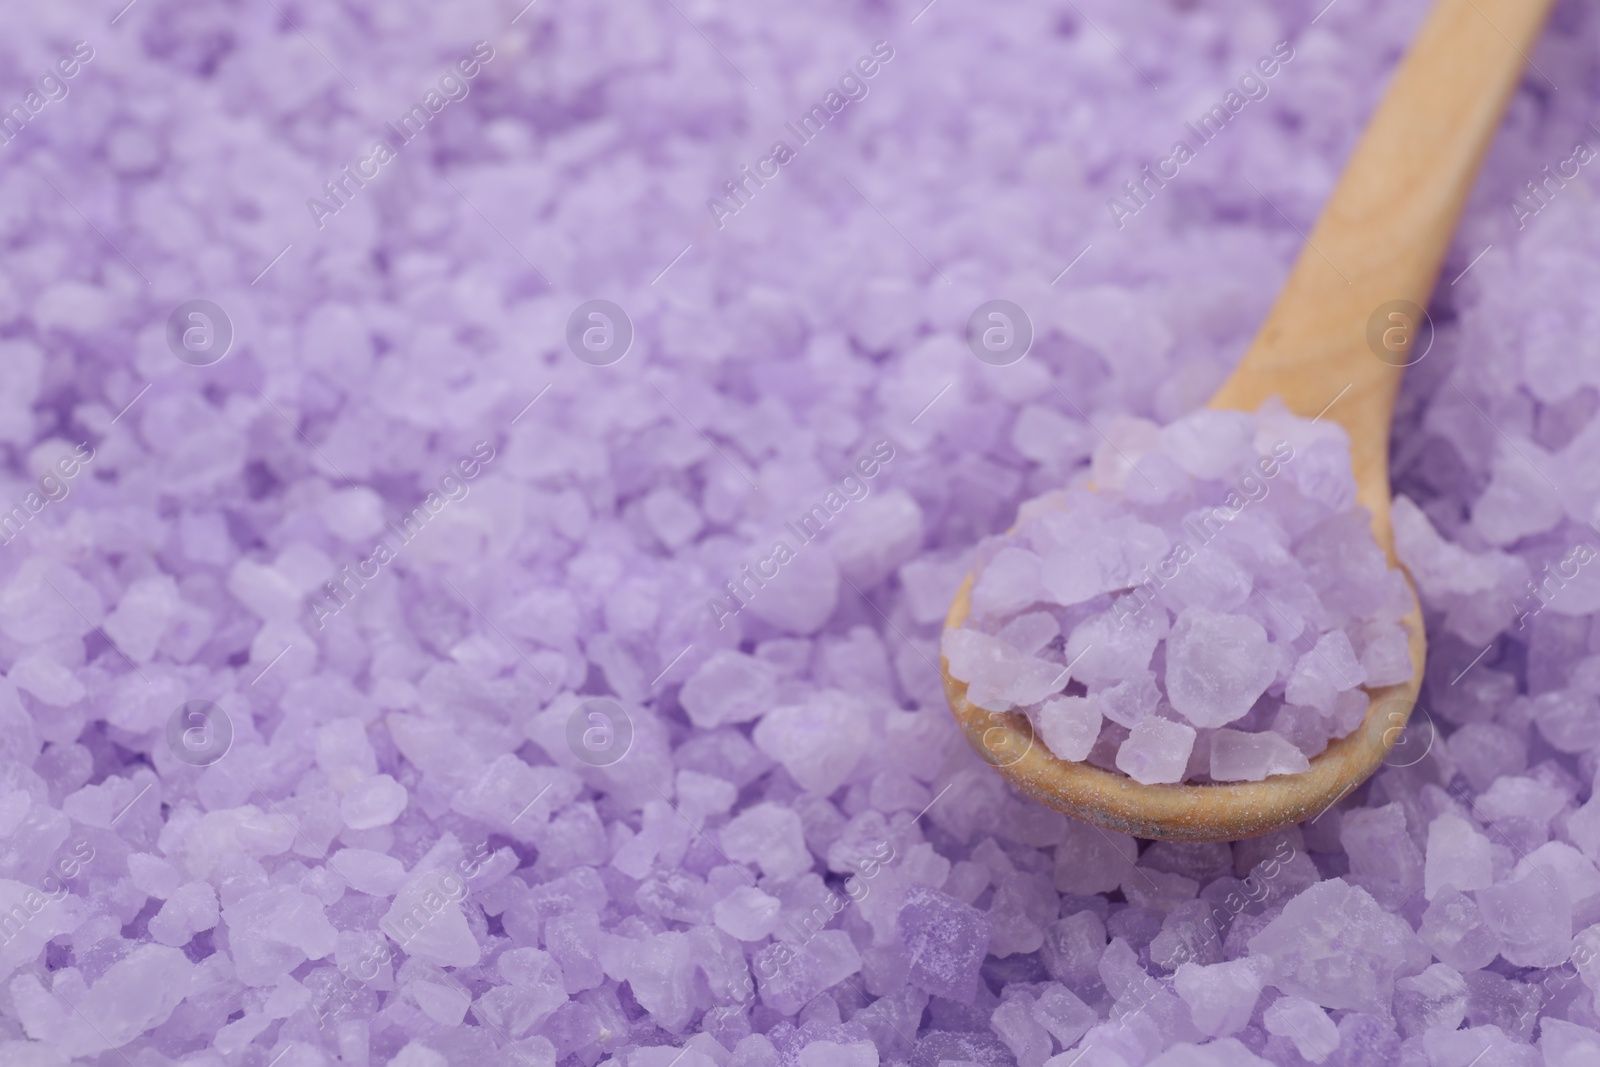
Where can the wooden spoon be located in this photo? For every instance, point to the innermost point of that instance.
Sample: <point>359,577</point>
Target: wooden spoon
<point>1334,345</point>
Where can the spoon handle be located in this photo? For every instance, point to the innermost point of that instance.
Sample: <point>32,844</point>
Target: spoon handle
<point>1384,232</point>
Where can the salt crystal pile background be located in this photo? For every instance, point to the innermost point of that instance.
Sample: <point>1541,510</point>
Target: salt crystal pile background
<point>1190,615</point>
<point>409,660</point>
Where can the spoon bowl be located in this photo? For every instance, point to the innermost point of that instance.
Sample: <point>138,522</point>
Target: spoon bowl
<point>1201,812</point>
<point>1334,345</point>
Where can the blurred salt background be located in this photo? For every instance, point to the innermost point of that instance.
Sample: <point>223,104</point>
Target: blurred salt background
<point>584,769</point>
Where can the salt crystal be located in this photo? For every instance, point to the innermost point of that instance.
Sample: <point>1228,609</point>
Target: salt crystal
<point>1386,655</point>
<point>417,1054</point>
<point>1188,933</point>
<point>1519,500</point>
<point>701,796</point>
<point>728,687</point>
<point>928,584</point>
<point>789,978</point>
<point>1583,827</point>
<point>517,796</point>
<point>819,742</point>
<point>1495,1002</point>
<point>141,616</point>
<point>755,1050</point>
<point>441,1004</point>
<point>573,942</point>
<point>303,565</point>
<point>747,913</point>
<point>1061,1012</point>
<point>1345,566</point>
<point>1126,440</point>
<point>1350,711</point>
<point>1028,1041</point>
<point>834,1054</point>
<point>534,988</point>
<point>1566,1044</point>
<point>880,533</point>
<point>1520,797</point>
<point>1069,725</point>
<point>769,836</point>
<point>1217,665</point>
<point>354,514</point>
<point>1024,902</point>
<point>967,881</point>
<point>46,679</point>
<point>945,940</point>
<point>1569,869</point>
<point>802,597</point>
<point>368,871</point>
<point>1156,751</point>
<point>1568,719</point>
<point>1489,1044</point>
<point>1075,576</point>
<point>1368,1037</point>
<point>1320,466</point>
<point>1031,632</point>
<point>377,801</point>
<point>1237,756</point>
<point>1090,860</point>
<point>1227,1052</point>
<point>1045,436</point>
<point>1484,751</point>
<point>135,994</point>
<point>29,919</point>
<point>1303,728</point>
<point>189,910</point>
<point>1458,856</point>
<point>1111,648</point>
<point>267,592</point>
<point>1334,945</point>
<point>342,745</point>
<point>1455,930</point>
<point>1221,997</point>
<point>672,518</point>
<point>1383,858</point>
<point>427,922</point>
<point>152,874</point>
<point>1327,669</point>
<point>1436,999</point>
<point>998,676</point>
<point>1532,915</point>
<point>576,838</point>
<point>1305,1024</point>
<point>1207,443</point>
<point>46,601</point>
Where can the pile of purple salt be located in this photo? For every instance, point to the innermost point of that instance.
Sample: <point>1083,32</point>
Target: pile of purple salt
<point>1208,611</point>
<point>479,600</point>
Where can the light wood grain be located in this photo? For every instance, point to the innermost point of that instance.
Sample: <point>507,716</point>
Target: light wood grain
<point>1380,238</point>
<point>1384,231</point>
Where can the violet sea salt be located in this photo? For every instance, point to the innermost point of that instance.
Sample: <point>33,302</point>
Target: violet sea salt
<point>525,797</point>
<point>1209,611</point>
